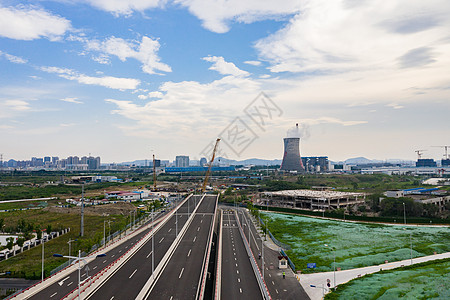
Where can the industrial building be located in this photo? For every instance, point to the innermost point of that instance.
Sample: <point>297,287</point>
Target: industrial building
<point>316,163</point>
<point>425,162</point>
<point>312,200</point>
<point>292,161</point>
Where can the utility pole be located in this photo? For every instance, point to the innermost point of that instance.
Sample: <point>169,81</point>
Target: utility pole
<point>1,161</point>
<point>82,210</point>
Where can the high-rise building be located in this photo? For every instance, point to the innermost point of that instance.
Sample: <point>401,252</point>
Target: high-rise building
<point>291,159</point>
<point>425,162</point>
<point>182,161</point>
<point>203,161</point>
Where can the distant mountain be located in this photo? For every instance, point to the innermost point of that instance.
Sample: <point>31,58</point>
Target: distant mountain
<point>250,161</point>
<point>361,161</point>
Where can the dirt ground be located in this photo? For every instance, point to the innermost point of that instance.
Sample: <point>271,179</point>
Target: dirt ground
<point>120,208</point>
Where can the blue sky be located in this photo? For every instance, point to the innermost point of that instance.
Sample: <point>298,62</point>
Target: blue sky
<point>124,79</point>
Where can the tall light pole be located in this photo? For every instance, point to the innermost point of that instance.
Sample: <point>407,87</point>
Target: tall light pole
<point>404,212</point>
<point>69,242</point>
<point>153,249</point>
<point>104,231</point>
<point>78,259</point>
<point>262,262</point>
<point>42,236</point>
<point>334,265</point>
<point>82,211</point>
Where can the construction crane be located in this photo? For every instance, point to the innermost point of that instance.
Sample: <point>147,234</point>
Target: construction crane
<point>446,156</point>
<point>208,173</point>
<point>419,153</point>
<point>154,173</point>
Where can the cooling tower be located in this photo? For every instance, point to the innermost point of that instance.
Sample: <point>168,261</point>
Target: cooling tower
<point>291,159</point>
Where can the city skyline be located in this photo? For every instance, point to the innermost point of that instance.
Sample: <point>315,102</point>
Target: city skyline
<point>126,80</point>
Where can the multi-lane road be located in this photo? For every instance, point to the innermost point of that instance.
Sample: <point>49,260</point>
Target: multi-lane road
<point>238,280</point>
<point>129,280</point>
<point>60,289</point>
<point>181,278</point>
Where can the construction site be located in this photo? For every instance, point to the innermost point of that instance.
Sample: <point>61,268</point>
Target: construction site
<point>312,200</point>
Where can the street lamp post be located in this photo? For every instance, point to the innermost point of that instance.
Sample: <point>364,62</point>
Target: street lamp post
<point>153,249</point>
<point>334,265</point>
<point>404,212</point>
<point>78,259</point>
<point>42,238</point>
<point>69,242</point>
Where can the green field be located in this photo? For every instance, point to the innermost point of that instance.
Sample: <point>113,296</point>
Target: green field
<point>429,280</point>
<point>356,244</point>
<point>28,263</point>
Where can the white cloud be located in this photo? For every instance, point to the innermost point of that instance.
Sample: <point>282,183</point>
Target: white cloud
<point>4,127</point>
<point>117,83</point>
<point>125,7</point>
<point>223,67</point>
<point>13,58</point>
<point>217,14</point>
<point>253,62</point>
<point>145,52</point>
<point>395,106</point>
<point>72,100</point>
<point>67,124</point>
<point>9,108</point>
<point>155,94</point>
<point>339,36</point>
<point>18,105</point>
<point>185,107</point>
<point>29,23</point>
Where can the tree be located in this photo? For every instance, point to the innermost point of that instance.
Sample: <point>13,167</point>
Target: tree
<point>10,243</point>
<point>2,222</point>
<point>49,228</point>
<point>20,242</point>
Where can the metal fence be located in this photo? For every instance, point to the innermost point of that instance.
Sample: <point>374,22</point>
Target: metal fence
<point>97,246</point>
<point>277,242</point>
<point>291,264</point>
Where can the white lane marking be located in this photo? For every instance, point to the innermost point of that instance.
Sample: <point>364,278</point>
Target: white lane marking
<point>181,273</point>
<point>194,239</point>
<point>276,291</point>
<point>112,256</point>
<point>133,273</point>
<point>198,229</point>
<point>149,254</point>
<point>171,297</point>
<point>170,229</point>
<point>235,258</point>
<point>236,265</point>
<point>104,261</point>
<point>189,253</point>
<point>237,271</point>
<point>239,280</point>
<point>234,253</point>
<point>273,283</point>
<point>83,275</point>
<point>161,240</point>
<point>53,294</point>
<point>270,275</point>
<point>70,283</point>
<point>112,298</point>
<point>120,251</point>
<point>240,290</point>
<point>62,281</point>
<point>94,268</point>
<point>201,221</point>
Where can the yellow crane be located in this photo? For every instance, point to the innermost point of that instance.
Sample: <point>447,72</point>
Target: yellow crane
<point>208,172</point>
<point>154,173</point>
